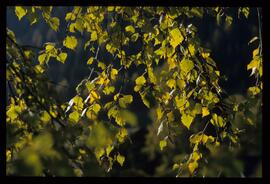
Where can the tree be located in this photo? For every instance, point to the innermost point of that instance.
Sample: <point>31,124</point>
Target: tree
<point>175,76</point>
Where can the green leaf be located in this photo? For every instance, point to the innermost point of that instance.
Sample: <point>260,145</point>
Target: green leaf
<point>62,57</point>
<point>70,42</point>
<point>120,159</point>
<point>20,12</point>
<point>126,99</point>
<point>74,117</point>
<point>162,144</point>
<point>187,120</point>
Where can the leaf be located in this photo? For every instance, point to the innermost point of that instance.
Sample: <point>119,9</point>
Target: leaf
<point>108,90</point>
<point>162,144</point>
<point>254,90</point>
<point>176,37</point>
<point>187,120</point>
<point>70,42</point>
<point>175,166</point>
<point>74,117</point>
<point>228,20</point>
<point>205,55</point>
<point>90,60</point>
<point>145,100</point>
<point>205,111</point>
<point>171,83</point>
<point>255,52</point>
<point>114,73</point>
<point>93,36</point>
<point>191,49</point>
<point>186,66</point>
<point>20,12</point>
<point>120,159</point>
<point>126,99</point>
<point>121,135</point>
<point>159,113</point>
<point>192,166</point>
<point>181,84</point>
<point>70,16</point>
<point>170,116</point>
<point>140,80</point>
<point>62,57</point>
<point>151,75</point>
<point>130,29</point>
<point>96,108</point>
<point>42,58</point>
<point>217,120</point>
<point>54,23</point>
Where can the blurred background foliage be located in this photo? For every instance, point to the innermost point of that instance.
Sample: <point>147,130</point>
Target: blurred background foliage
<point>143,156</point>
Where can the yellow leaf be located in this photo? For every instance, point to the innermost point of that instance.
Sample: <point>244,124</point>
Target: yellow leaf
<point>187,120</point>
<point>62,57</point>
<point>93,36</point>
<point>181,84</point>
<point>255,52</point>
<point>96,108</point>
<point>170,116</point>
<point>108,90</point>
<point>130,29</point>
<point>74,117</point>
<point>70,16</point>
<point>70,42</point>
<point>120,159</point>
<point>186,66</point>
<point>94,96</point>
<point>121,135</point>
<point>90,60</point>
<point>159,113</point>
<point>114,72</point>
<point>217,120</point>
<point>126,99</point>
<point>171,63</point>
<point>54,23</point>
<point>42,58</point>
<point>162,144</point>
<point>191,49</point>
<point>140,80</point>
<point>20,12</point>
<point>205,111</point>
<point>151,75</point>
<point>192,166</point>
<point>176,37</point>
<point>205,55</point>
<point>171,83</point>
